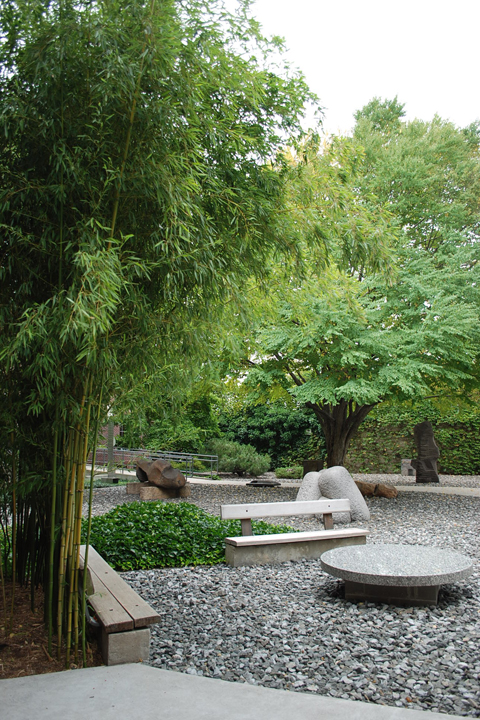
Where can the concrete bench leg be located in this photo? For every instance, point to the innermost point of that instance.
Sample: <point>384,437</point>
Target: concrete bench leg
<point>393,595</point>
<point>125,647</point>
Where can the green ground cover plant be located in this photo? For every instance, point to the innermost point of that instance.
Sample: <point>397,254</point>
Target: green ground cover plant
<point>141,536</point>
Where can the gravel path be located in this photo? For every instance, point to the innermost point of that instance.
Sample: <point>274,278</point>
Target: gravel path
<point>287,626</point>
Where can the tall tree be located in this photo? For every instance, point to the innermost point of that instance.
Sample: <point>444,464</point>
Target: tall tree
<point>345,345</point>
<point>428,172</point>
<point>342,352</point>
<point>137,192</point>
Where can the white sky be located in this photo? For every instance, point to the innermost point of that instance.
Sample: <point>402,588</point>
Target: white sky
<point>427,52</point>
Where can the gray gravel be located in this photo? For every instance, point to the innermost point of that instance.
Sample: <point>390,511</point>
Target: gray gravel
<point>287,626</point>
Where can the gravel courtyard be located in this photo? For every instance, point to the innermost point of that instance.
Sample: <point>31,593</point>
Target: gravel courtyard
<point>287,626</point>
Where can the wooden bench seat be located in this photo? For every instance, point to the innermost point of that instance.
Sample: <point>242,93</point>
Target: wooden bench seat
<point>124,616</point>
<point>249,549</point>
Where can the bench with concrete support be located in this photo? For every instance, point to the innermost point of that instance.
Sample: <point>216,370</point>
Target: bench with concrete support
<point>125,618</point>
<point>252,549</point>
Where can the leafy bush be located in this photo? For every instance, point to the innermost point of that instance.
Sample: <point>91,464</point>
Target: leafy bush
<point>287,434</point>
<point>291,473</point>
<point>182,429</point>
<point>139,536</point>
<point>237,458</point>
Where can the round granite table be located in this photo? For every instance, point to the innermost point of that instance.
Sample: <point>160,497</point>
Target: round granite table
<point>395,574</point>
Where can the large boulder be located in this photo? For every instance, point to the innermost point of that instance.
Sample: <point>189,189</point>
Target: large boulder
<point>309,489</point>
<point>335,483</point>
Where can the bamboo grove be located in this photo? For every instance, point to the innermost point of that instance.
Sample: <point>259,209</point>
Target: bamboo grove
<point>137,193</point>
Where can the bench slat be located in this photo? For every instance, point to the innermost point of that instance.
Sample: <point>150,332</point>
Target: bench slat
<point>140,612</point>
<point>246,541</point>
<point>111,614</point>
<point>277,509</point>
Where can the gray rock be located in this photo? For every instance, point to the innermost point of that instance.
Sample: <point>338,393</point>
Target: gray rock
<point>334,483</point>
<point>310,489</point>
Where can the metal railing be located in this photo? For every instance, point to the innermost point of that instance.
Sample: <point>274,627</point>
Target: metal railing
<point>188,463</point>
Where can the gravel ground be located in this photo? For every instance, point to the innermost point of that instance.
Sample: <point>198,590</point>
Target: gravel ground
<point>287,626</point>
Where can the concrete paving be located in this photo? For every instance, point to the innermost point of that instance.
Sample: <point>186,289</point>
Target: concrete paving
<point>140,692</point>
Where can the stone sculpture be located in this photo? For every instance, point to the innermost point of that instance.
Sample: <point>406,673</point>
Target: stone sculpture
<point>334,483</point>
<point>160,473</point>
<point>428,453</point>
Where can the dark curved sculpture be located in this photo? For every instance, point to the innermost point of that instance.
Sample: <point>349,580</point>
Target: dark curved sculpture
<point>428,453</point>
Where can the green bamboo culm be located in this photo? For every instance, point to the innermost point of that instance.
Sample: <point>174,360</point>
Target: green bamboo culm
<point>14,528</point>
<point>53,520</point>
<point>4,595</point>
<point>89,526</point>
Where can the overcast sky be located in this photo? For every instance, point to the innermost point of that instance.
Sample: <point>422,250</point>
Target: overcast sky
<point>424,51</point>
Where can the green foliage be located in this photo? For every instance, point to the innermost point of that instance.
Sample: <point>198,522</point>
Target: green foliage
<point>234,457</point>
<point>428,172</point>
<point>162,534</point>
<point>291,473</point>
<point>387,436</point>
<point>137,196</point>
<point>345,342</point>
<point>337,224</point>
<point>287,433</point>
<point>182,426</point>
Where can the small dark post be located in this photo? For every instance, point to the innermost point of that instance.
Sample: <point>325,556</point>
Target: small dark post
<point>312,466</point>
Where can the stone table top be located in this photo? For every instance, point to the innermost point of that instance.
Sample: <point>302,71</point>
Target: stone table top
<point>398,565</point>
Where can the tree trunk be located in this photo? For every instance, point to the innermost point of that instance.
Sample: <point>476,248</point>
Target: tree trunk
<point>339,423</point>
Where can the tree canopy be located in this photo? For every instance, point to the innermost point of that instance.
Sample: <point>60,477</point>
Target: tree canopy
<point>343,343</point>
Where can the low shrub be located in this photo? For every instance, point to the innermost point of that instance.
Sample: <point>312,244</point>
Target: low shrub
<point>140,536</point>
<point>290,473</point>
<point>287,433</point>
<point>237,458</point>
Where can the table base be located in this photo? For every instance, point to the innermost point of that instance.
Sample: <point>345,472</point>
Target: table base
<point>392,594</point>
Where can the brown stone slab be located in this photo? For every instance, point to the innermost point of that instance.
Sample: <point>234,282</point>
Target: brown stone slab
<point>186,490</point>
<point>133,488</point>
<point>150,492</point>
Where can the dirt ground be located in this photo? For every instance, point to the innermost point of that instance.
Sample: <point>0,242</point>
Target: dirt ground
<point>23,647</point>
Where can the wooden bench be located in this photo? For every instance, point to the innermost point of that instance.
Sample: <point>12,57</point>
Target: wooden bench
<point>263,549</point>
<point>125,618</point>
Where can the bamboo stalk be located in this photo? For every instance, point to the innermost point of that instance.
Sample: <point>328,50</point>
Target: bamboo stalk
<point>68,561</point>
<point>89,521</point>
<point>78,520</point>
<point>4,596</point>
<point>61,564</point>
<point>49,600</point>
<point>14,528</point>
<point>70,525</point>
